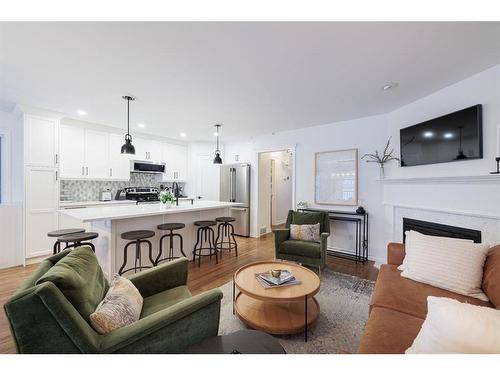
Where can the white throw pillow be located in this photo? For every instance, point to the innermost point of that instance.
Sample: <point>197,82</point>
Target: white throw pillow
<point>454,327</point>
<point>305,232</point>
<point>455,266</point>
<point>414,240</point>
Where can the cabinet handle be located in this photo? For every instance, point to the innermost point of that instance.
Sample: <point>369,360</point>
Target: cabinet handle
<point>110,172</point>
<point>57,159</point>
<point>87,171</point>
<point>83,171</point>
<point>57,177</point>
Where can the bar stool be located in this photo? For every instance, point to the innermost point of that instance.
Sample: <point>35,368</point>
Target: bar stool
<point>205,234</point>
<point>170,227</point>
<point>77,239</point>
<point>61,232</point>
<point>227,232</point>
<point>137,237</point>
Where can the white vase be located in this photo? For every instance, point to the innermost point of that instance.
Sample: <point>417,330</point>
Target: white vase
<point>167,205</point>
<point>382,172</point>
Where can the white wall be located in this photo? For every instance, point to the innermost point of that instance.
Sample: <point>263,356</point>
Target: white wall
<point>466,198</point>
<point>11,221</point>
<point>466,202</point>
<point>482,88</point>
<point>364,134</point>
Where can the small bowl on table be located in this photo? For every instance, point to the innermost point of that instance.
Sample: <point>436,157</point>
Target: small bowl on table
<point>276,273</point>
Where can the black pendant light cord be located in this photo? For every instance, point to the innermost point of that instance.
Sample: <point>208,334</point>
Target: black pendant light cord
<point>217,138</point>
<point>128,118</point>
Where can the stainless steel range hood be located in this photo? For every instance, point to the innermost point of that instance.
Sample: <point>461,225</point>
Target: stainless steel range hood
<point>140,166</point>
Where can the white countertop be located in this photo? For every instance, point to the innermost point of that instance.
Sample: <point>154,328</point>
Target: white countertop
<point>117,212</point>
<point>93,203</point>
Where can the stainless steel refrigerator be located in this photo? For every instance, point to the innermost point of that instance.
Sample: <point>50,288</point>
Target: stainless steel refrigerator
<point>235,187</point>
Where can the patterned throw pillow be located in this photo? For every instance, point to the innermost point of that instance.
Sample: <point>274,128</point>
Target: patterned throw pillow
<point>121,306</point>
<point>306,232</point>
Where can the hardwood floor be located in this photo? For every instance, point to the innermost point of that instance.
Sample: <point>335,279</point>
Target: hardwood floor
<point>208,276</point>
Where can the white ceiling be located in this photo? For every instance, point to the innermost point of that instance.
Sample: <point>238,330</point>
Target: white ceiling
<point>255,78</point>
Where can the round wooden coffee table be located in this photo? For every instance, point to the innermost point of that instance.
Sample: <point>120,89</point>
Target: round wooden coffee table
<point>284,310</point>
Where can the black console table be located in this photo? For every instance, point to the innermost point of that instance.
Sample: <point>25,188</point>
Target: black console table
<point>361,224</point>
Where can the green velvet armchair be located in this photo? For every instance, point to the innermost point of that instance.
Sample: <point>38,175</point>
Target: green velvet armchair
<point>43,320</point>
<point>305,252</point>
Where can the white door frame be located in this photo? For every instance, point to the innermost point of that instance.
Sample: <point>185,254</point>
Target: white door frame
<point>255,205</point>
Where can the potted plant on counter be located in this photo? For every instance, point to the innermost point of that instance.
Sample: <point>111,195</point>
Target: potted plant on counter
<point>166,198</point>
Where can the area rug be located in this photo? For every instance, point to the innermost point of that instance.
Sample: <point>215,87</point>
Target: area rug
<point>343,301</point>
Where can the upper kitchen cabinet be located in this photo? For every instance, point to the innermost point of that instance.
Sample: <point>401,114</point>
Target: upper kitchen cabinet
<point>146,149</point>
<point>119,164</point>
<point>84,153</point>
<point>96,154</point>
<point>175,158</point>
<point>72,149</point>
<point>41,140</point>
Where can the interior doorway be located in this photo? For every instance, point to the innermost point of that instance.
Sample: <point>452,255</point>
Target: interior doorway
<point>275,189</point>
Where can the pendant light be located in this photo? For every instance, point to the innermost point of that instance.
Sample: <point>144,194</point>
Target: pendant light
<point>217,159</point>
<point>128,147</point>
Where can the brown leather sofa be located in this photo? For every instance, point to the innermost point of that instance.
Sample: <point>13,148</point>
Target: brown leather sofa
<point>399,305</point>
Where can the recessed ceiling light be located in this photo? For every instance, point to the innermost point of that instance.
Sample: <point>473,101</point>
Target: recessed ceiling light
<point>183,134</point>
<point>428,134</point>
<point>390,85</point>
<point>81,112</point>
<point>141,125</point>
<point>448,135</point>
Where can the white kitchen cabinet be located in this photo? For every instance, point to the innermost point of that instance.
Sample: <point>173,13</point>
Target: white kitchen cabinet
<point>96,154</point>
<point>155,151</point>
<point>175,158</point>
<point>72,151</point>
<point>141,148</point>
<point>146,149</point>
<point>41,209</point>
<point>41,141</point>
<point>119,164</point>
<point>84,154</point>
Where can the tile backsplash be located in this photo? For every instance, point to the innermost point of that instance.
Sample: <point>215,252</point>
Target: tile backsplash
<point>88,190</point>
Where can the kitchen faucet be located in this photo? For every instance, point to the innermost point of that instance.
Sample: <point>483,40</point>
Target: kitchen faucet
<point>175,188</point>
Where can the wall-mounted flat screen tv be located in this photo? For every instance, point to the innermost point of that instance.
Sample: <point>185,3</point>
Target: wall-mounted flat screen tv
<point>452,137</point>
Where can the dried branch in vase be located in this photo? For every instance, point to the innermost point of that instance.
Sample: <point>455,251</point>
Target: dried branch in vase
<point>386,156</point>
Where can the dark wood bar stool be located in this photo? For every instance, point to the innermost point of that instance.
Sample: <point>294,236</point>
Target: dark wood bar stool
<point>77,239</point>
<point>137,237</point>
<point>205,234</point>
<point>170,227</point>
<point>61,232</point>
<point>226,240</point>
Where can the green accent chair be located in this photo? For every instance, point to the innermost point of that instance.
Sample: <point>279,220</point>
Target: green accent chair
<point>50,312</point>
<point>305,252</point>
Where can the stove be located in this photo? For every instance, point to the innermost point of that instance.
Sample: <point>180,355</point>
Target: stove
<point>142,195</point>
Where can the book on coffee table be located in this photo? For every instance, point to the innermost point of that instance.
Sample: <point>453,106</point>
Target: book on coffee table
<point>268,281</point>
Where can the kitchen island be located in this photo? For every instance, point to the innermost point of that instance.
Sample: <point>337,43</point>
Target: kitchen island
<point>111,221</point>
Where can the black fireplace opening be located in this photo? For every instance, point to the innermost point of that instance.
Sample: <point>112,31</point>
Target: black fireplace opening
<point>440,230</point>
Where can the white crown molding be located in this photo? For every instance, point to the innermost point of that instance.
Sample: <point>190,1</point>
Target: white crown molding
<point>482,179</point>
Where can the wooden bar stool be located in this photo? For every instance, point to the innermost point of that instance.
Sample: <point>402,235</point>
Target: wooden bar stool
<point>77,239</point>
<point>205,234</point>
<point>170,227</point>
<point>61,232</point>
<point>137,237</point>
<point>227,240</point>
